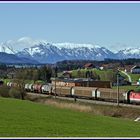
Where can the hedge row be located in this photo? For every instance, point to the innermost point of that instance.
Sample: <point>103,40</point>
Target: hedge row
<point>11,92</point>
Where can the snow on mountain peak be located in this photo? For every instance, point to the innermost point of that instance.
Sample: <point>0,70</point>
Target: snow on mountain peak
<point>131,51</point>
<point>4,47</point>
<point>73,45</point>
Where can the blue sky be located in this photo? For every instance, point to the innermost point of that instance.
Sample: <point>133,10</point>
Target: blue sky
<point>112,25</point>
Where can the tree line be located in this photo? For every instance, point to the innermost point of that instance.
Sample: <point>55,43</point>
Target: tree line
<point>43,73</point>
<point>75,64</point>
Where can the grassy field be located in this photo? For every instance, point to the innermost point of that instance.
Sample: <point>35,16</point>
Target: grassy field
<point>24,119</point>
<point>103,74</point>
<point>128,87</point>
<point>134,77</point>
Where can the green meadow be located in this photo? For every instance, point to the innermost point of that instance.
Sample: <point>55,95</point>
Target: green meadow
<point>21,118</point>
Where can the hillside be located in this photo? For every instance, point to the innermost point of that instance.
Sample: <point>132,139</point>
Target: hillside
<point>25,119</point>
<point>11,58</point>
<point>104,75</point>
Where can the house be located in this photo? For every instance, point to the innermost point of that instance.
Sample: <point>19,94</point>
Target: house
<point>121,81</point>
<point>67,74</point>
<point>101,68</point>
<point>135,69</point>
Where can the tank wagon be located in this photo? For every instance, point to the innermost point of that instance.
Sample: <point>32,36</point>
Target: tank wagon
<point>46,88</point>
<point>9,84</point>
<point>28,87</point>
<point>37,88</point>
<point>12,84</point>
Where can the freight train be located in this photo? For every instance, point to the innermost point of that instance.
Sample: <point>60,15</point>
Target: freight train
<point>104,94</point>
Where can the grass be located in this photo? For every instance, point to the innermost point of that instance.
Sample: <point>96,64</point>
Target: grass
<point>128,87</point>
<point>105,75</point>
<point>134,77</point>
<point>24,119</point>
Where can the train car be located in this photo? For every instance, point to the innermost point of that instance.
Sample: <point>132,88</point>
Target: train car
<point>86,92</point>
<point>9,84</point>
<point>62,90</point>
<point>26,87</point>
<point>47,89</point>
<point>37,88</point>
<point>15,85</point>
<point>12,84</point>
<point>30,87</point>
<point>111,94</point>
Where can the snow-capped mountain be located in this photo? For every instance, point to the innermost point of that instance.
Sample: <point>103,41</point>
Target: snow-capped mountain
<point>51,53</point>
<point>129,53</point>
<point>44,52</point>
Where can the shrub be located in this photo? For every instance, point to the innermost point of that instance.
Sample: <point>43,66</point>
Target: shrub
<point>16,93</point>
<point>4,91</point>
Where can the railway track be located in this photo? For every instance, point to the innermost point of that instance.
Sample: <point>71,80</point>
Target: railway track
<point>85,100</point>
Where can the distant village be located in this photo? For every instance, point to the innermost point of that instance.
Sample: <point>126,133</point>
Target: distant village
<point>76,73</point>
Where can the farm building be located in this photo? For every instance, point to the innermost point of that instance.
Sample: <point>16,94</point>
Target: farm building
<point>67,74</point>
<point>135,69</point>
<point>84,82</point>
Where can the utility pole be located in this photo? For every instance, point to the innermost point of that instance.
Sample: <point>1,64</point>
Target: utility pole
<point>117,88</point>
<point>55,86</point>
<point>55,79</point>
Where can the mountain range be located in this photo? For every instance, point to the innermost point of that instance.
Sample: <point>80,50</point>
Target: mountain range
<point>26,50</point>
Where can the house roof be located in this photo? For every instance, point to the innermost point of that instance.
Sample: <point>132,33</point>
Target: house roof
<point>67,72</point>
<point>88,65</point>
